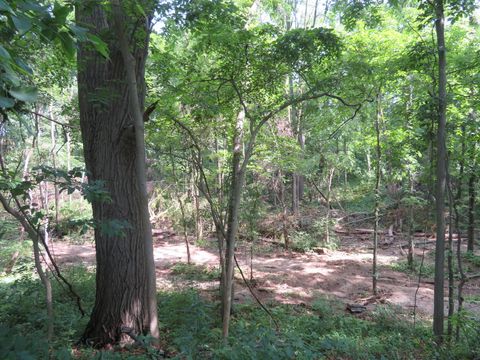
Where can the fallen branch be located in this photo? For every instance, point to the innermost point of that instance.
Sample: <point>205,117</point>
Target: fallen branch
<point>471,277</point>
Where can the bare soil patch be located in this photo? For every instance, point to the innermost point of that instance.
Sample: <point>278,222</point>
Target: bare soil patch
<point>294,278</point>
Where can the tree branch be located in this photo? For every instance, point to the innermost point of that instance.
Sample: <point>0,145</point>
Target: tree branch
<point>52,120</point>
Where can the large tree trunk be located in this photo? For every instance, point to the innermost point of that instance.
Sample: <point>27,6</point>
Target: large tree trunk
<point>438,302</point>
<point>108,126</point>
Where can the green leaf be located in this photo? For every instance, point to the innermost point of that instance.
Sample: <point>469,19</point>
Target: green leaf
<point>4,53</point>
<point>79,32</point>
<point>5,7</point>
<point>68,45</point>
<point>61,12</point>
<point>99,45</point>
<point>140,9</point>
<point>6,103</point>
<point>25,93</point>
<point>10,76</point>
<point>23,67</point>
<point>22,23</point>
<point>32,5</point>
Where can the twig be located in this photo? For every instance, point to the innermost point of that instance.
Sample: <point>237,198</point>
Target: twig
<point>52,120</point>
<point>277,326</point>
<point>418,283</point>
<point>321,193</point>
<point>33,232</point>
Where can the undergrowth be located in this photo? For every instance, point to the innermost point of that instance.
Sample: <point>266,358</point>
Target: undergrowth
<point>472,258</point>
<point>195,272</point>
<point>190,328</point>
<point>427,270</point>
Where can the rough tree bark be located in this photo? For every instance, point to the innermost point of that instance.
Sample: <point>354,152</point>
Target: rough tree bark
<point>111,135</point>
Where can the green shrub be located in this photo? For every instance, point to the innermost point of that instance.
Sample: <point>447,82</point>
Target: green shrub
<point>15,346</point>
<point>472,258</point>
<point>186,323</point>
<point>303,241</point>
<point>428,270</point>
<point>195,272</point>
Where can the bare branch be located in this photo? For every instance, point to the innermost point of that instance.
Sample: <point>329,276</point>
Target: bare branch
<point>52,120</point>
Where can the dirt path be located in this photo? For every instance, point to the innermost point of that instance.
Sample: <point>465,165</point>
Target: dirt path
<point>290,277</point>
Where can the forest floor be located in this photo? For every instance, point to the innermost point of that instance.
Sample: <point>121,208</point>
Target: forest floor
<point>296,278</point>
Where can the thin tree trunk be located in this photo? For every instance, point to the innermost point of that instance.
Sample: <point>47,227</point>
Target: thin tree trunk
<point>46,284</point>
<point>463,278</point>
<point>461,163</point>
<point>54,165</point>
<point>292,114</point>
<point>305,22</point>
<point>69,155</point>
<point>237,180</point>
<point>345,153</point>
<point>451,280</point>
<point>32,233</point>
<point>182,210</point>
<point>329,189</point>
<point>471,211</point>
<point>286,238</point>
<point>196,202</point>
<point>411,224</point>
<point>378,119</point>
<point>314,22</point>
<point>438,302</point>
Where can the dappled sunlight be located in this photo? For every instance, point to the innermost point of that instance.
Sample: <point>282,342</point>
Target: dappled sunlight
<point>171,252</point>
<point>286,277</point>
<point>73,254</point>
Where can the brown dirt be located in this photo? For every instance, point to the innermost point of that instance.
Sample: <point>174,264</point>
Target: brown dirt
<point>290,277</point>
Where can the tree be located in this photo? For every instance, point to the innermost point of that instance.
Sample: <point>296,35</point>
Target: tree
<point>111,96</point>
<point>438,312</point>
<point>241,85</point>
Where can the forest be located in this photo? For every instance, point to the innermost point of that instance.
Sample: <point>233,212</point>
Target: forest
<point>239,179</point>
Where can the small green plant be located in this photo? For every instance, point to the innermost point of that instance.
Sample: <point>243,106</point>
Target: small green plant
<point>472,258</point>
<point>303,241</point>
<point>17,346</point>
<point>319,231</point>
<point>202,242</point>
<point>187,324</point>
<point>196,272</point>
<point>428,270</point>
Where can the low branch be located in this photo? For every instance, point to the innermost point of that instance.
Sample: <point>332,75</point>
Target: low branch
<point>52,120</point>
